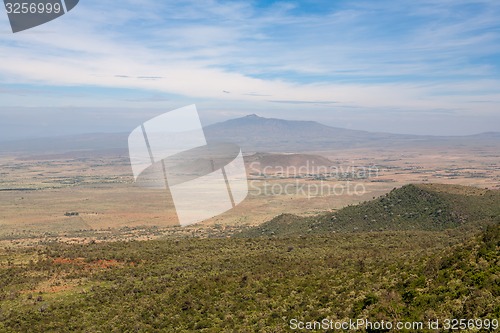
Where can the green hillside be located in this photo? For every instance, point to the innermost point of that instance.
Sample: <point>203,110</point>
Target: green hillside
<point>464,282</point>
<point>411,207</point>
<point>262,284</point>
<point>249,285</point>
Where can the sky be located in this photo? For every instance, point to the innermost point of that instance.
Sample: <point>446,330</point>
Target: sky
<point>419,67</point>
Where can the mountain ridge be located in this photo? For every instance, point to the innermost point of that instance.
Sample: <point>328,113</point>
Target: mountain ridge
<point>429,207</point>
<point>258,134</point>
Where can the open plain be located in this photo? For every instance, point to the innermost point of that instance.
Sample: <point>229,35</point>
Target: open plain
<point>84,196</point>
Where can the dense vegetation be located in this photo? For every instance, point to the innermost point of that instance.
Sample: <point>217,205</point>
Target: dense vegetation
<point>251,284</point>
<point>411,207</point>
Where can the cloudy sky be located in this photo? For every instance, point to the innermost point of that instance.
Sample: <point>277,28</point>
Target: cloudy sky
<point>425,67</point>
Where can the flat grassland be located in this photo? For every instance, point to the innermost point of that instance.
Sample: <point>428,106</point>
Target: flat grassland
<point>78,197</point>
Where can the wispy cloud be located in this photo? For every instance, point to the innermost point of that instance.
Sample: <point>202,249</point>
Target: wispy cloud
<point>302,102</point>
<point>423,55</point>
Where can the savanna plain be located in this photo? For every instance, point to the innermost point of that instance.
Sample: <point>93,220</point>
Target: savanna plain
<point>381,234</point>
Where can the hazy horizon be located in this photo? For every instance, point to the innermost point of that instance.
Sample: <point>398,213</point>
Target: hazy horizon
<point>426,68</point>
<point>47,133</point>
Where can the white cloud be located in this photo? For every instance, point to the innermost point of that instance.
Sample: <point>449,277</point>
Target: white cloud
<point>260,55</point>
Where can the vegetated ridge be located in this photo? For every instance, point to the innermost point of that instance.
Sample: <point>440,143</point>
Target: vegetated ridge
<point>411,207</point>
<point>250,285</point>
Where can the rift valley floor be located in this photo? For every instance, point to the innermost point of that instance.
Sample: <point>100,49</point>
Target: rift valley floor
<point>85,196</point>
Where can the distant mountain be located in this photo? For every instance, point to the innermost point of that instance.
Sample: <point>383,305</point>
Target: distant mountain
<point>485,135</point>
<point>411,207</point>
<point>258,134</point>
<point>69,143</point>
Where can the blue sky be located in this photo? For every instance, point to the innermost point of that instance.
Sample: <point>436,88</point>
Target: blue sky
<point>425,67</point>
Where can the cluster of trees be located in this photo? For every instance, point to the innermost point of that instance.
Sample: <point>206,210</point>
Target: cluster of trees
<point>251,284</point>
<point>433,207</point>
